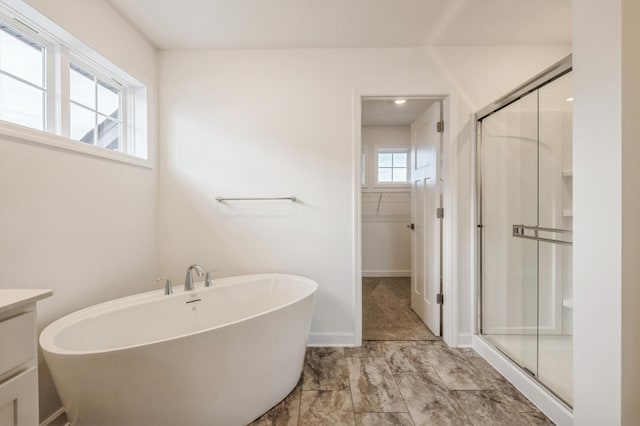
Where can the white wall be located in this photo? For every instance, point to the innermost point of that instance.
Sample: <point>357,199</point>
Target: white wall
<point>630,212</point>
<point>386,241</point>
<point>274,122</point>
<point>82,226</point>
<point>607,207</point>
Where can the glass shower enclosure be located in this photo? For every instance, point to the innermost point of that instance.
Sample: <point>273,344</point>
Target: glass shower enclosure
<point>524,224</point>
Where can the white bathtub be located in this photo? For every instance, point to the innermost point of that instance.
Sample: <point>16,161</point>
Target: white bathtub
<point>214,356</point>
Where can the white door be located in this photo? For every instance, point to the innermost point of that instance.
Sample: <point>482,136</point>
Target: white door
<point>426,199</point>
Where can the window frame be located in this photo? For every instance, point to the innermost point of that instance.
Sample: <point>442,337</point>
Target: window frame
<point>61,50</point>
<point>393,150</point>
<point>123,118</point>
<point>47,77</point>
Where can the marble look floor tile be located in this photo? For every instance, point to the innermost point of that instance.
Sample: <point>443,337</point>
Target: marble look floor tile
<point>286,413</point>
<point>369,348</point>
<point>401,288</point>
<point>325,369</point>
<point>516,399</point>
<point>373,387</point>
<point>407,356</point>
<point>495,380</point>
<point>455,369</point>
<point>488,407</point>
<point>388,331</point>
<point>387,313</point>
<point>537,419</point>
<point>323,408</point>
<point>368,285</point>
<point>383,419</point>
<point>428,399</point>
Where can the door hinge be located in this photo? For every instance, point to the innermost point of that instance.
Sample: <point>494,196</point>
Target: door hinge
<point>440,213</point>
<point>440,126</point>
<point>411,226</point>
<point>440,299</point>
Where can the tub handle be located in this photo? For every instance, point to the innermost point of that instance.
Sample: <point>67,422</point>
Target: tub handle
<point>207,280</point>
<point>168,288</point>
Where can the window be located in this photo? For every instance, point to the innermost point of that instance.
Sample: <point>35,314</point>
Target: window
<point>52,82</point>
<point>22,79</point>
<point>393,166</point>
<point>94,110</point>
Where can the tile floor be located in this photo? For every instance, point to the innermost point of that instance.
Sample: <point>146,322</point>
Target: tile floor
<point>386,311</point>
<point>399,377</point>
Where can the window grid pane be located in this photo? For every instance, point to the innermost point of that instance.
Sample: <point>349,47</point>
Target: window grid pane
<point>385,174</point>
<point>21,57</point>
<point>108,100</point>
<point>83,124</point>
<point>393,166</point>
<point>83,87</point>
<point>399,159</point>
<point>400,174</point>
<point>108,133</point>
<point>21,103</point>
<point>102,101</point>
<point>385,159</point>
<point>22,88</point>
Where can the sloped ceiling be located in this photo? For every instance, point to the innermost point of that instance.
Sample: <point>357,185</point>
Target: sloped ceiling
<point>203,24</point>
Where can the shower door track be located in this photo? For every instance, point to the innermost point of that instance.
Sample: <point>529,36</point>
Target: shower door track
<point>555,71</point>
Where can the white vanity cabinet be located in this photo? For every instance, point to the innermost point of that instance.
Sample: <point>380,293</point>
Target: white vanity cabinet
<point>19,357</point>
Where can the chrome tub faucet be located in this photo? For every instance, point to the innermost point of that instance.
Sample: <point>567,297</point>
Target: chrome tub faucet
<point>188,281</point>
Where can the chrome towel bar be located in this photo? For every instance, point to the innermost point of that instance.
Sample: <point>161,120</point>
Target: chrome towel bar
<point>221,199</point>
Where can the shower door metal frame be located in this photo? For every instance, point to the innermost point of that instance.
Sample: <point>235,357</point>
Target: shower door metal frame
<point>552,73</point>
<point>532,388</point>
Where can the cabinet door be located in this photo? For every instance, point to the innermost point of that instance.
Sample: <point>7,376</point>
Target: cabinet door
<point>20,331</point>
<point>19,400</point>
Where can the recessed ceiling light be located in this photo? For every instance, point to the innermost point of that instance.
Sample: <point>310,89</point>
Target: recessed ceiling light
<point>400,101</point>
<point>569,99</point>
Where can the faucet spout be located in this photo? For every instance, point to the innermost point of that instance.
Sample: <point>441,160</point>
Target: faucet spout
<point>188,281</point>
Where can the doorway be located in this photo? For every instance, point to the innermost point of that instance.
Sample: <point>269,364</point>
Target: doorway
<point>401,186</point>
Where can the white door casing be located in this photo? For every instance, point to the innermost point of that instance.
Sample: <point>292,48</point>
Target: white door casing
<point>426,196</point>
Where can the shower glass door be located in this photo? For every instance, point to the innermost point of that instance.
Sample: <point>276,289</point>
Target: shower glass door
<point>525,203</point>
<point>510,265</point>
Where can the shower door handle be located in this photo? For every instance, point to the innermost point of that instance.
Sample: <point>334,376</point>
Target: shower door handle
<point>519,231</point>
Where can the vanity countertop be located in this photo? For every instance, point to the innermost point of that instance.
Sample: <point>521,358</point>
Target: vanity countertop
<point>12,298</point>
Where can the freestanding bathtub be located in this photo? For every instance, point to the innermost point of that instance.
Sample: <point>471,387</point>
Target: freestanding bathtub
<point>221,355</point>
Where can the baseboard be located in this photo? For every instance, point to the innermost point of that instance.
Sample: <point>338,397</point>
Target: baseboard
<point>330,339</point>
<point>465,340</point>
<point>382,273</point>
<point>551,406</point>
<point>53,417</point>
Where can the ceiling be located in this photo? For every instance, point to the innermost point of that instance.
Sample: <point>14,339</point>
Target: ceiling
<point>199,24</point>
<point>384,112</point>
